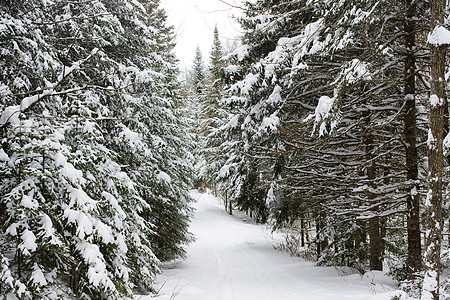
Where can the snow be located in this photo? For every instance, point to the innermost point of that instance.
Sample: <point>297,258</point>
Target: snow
<point>270,123</point>
<point>80,198</point>
<point>38,277</point>
<point>311,35</point>
<point>430,285</point>
<point>431,141</point>
<point>270,196</point>
<point>435,101</point>
<point>28,201</point>
<point>132,137</point>
<point>49,230</point>
<point>75,66</point>
<point>82,221</point>
<point>323,107</point>
<point>224,171</point>
<point>241,53</point>
<point>275,97</point>
<point>28,241</point>
<point>357,70</point>
<point>321,113</point>
<point>439,36</point>
<point>280,54</point>
<point>164,176</point>
<point>235,260</point>
<point>68,171</point>
<point>232,69</point>
<point>247,84</point>
<point>97,272</point>
<point>3,156</point>
<point>446,142</point>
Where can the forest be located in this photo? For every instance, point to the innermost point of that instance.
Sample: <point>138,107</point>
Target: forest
<point>328,122</point>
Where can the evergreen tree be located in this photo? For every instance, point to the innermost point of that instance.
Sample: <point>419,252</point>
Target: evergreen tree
<point>216,55</point>
<point>213,112</point>
<point>198,76</point>
<point>93,188</point>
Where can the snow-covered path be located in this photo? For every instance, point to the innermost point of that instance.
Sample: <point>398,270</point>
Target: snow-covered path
<point>233,260</point>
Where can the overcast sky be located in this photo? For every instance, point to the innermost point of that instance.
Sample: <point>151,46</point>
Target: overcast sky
<point>194,22</point>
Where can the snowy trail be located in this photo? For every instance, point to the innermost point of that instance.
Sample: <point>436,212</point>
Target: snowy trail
<point>233,260</point>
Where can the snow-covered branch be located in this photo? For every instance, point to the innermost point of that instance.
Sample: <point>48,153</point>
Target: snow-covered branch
<point>11,113</point>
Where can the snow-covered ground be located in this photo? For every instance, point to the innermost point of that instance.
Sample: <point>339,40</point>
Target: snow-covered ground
<point>234,260</point>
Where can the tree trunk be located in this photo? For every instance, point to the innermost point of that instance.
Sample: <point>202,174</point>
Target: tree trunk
<point>226,201</point>
<point>433,204</point>
<point>414,260</point>
<point>376,262</point>
<point>318,230</point>
<point>374,222</point>
<point>302,229</point>
<point>321,240</point>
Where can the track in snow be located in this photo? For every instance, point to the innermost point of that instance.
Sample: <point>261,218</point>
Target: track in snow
<point>233,260</point>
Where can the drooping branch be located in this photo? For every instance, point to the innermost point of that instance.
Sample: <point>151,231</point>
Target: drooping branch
<point>11,113</point>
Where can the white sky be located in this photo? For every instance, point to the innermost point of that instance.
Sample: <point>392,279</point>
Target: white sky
<point>194,22</point>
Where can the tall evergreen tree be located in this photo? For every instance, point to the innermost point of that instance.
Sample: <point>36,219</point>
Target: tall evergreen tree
<point>199,75</point>
<point>216,55</point>
<point>93,188</point>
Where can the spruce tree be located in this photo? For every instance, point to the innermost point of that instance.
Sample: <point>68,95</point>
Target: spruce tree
<point>216,55</point>
<point>198,76</point>
<point>94,180</point>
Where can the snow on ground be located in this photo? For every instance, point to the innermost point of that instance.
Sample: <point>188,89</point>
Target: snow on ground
<point>234,260</point>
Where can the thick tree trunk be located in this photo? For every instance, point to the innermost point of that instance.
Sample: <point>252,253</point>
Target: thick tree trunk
<point>414,260</point>
<point>374,222</point>
<point>376,262</point>
<point>433,204</point>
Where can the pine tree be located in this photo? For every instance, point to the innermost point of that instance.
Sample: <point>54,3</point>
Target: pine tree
<point>213,112</point>
<point>96,193</point>
<point>216,55</point>
<point>198,76</point>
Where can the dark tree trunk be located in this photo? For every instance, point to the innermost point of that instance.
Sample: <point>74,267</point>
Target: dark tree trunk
<point>302,230</point>
<point>414,260</point>
<point>226,202</point>
<point>376,262</point>
<point>318,236</point>
<point>321,240</point>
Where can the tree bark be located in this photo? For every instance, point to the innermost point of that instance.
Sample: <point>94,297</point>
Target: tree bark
<point>414,260</point>
<point>302,229</point>
<point>376,262</point>
<point>433,204</point>
<point>226,201</point>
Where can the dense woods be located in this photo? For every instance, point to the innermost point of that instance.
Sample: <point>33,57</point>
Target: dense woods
<point>331,105</point>
<point>94,167</point>
<point>328,123</point>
